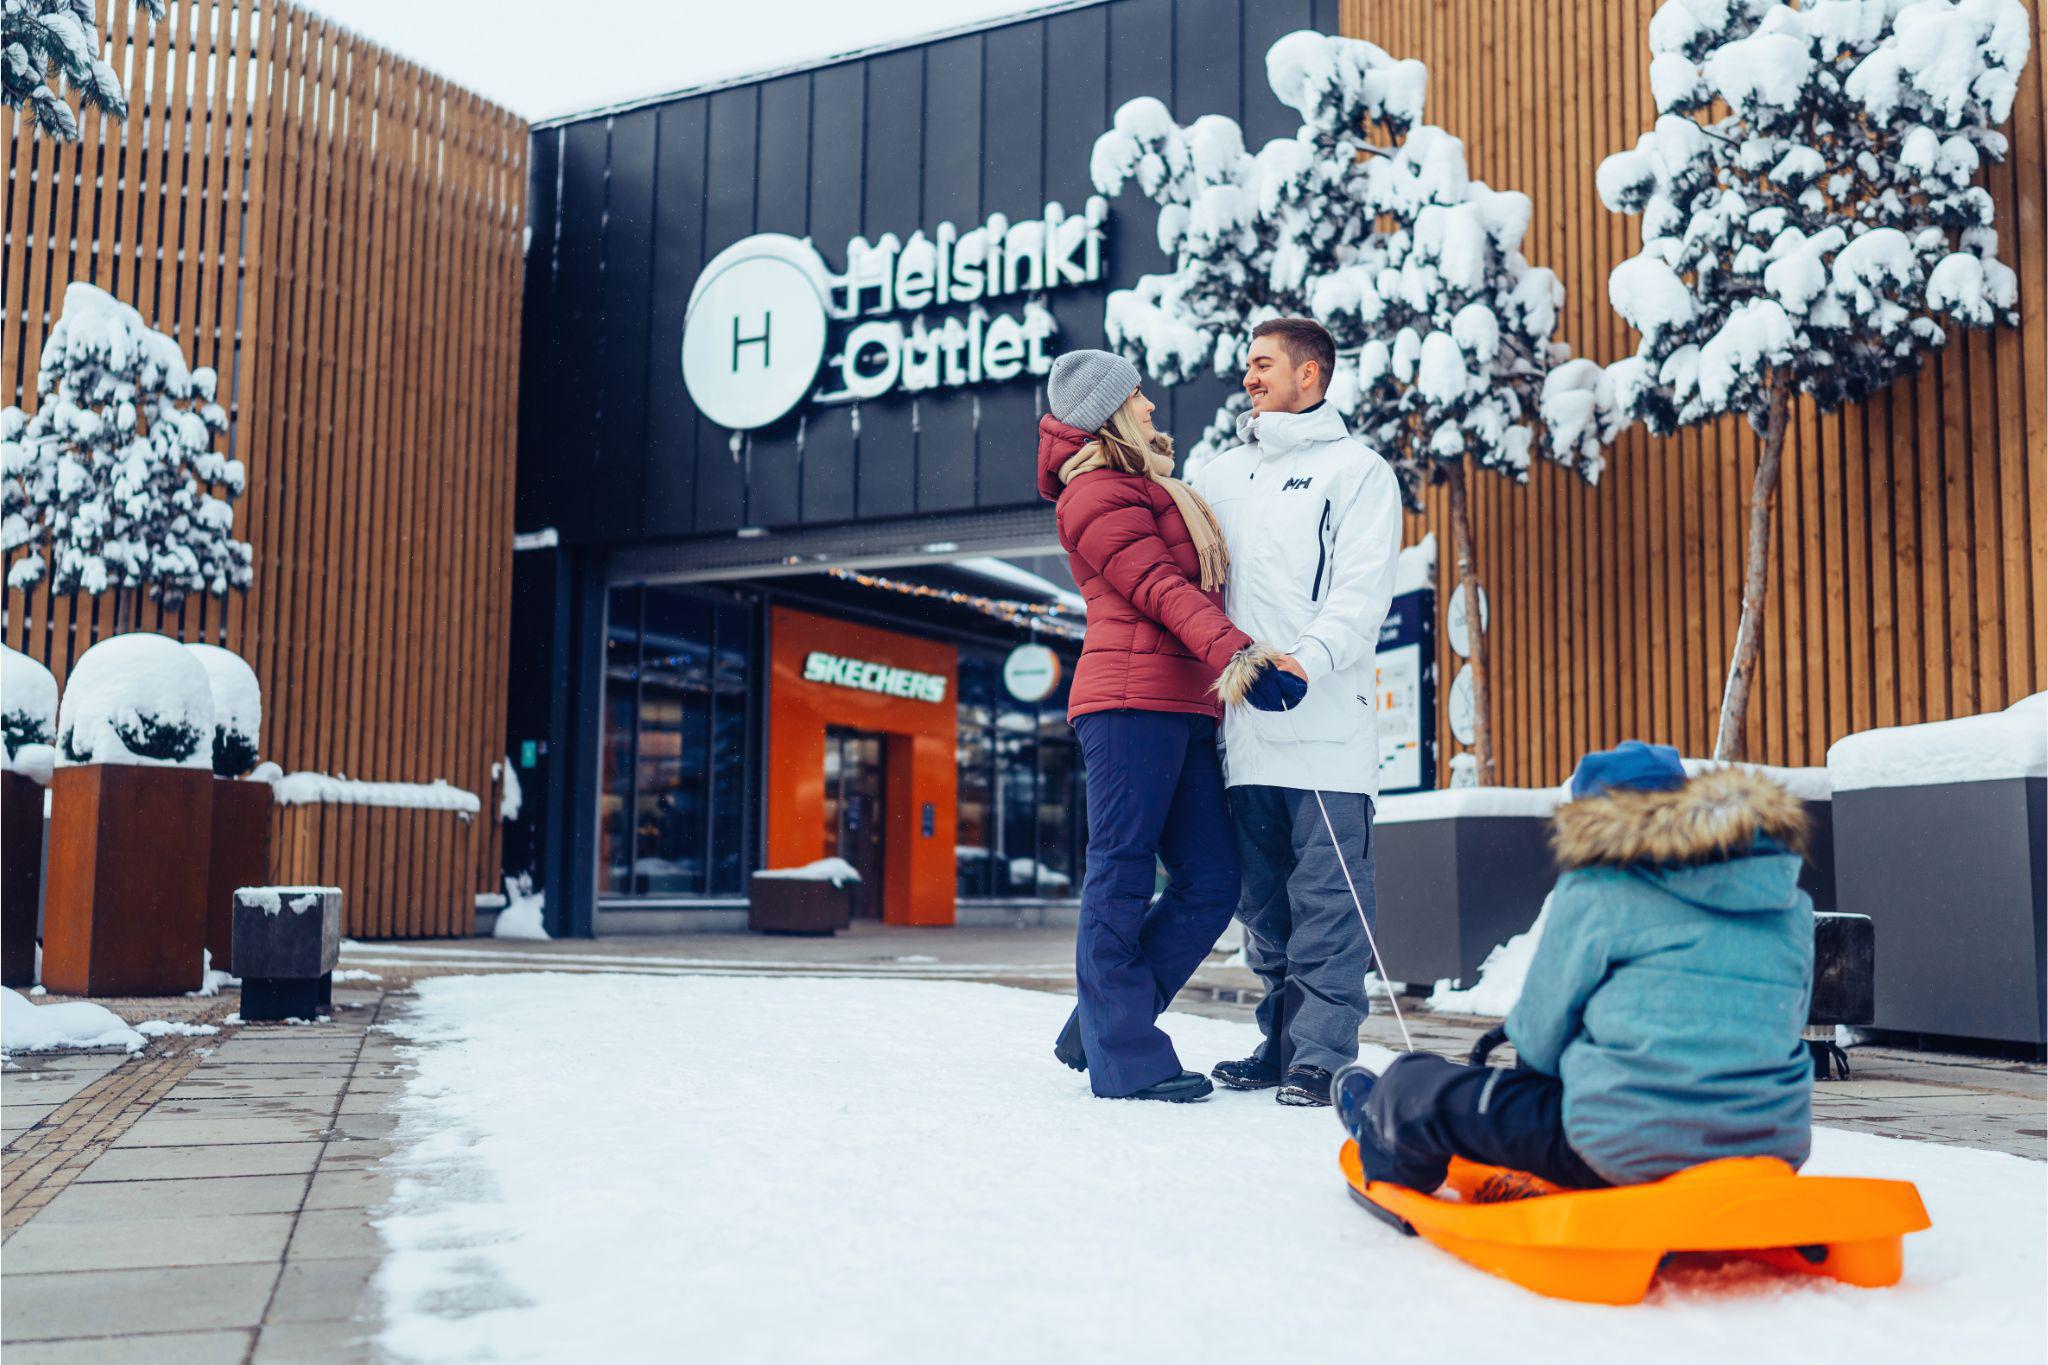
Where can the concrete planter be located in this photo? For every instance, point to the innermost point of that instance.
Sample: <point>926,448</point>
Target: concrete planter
<point>1457,873</point>
<point>21,877</point>
<point>782,905</point>
<point>1951,877</point>
<point>239,856</point>
<point>125,903</point>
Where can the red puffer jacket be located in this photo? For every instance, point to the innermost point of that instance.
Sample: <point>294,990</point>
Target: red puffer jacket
<point>1156,641</point>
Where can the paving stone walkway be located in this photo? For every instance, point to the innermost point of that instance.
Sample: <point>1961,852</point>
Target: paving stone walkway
<point>210,1200</point>
<point>216,1205</point>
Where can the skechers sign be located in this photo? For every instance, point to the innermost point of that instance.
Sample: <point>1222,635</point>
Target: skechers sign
<point>766,310</point>
<point>859,674</point>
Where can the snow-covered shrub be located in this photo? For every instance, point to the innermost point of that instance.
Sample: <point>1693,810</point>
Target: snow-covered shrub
<point>39,38</point>
<point>1368,221</point>
<point>237,709</point>
<point>107,484</point>
<point>137,698</point>
<point>1816,238</point>
<point>28,701</point>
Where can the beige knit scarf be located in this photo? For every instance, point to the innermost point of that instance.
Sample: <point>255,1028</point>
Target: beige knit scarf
<point>1202,528</point>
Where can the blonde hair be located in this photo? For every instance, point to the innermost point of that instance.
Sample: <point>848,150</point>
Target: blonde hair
<point>1122,442</point>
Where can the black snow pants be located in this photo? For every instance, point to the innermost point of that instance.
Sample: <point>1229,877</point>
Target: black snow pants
<point>1426,1110</point>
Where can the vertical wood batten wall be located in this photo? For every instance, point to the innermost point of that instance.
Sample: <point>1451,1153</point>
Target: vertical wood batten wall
<point>1911,544</point>
<point>338,233</point>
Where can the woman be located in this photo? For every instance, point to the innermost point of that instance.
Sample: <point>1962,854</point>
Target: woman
<point>1146,553</point>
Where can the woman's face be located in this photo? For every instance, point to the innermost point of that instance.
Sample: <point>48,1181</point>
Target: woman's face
<point>1143,406</point>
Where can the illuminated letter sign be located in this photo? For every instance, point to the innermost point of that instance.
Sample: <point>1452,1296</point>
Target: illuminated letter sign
<point>864,676</point>
<point>755,335</point>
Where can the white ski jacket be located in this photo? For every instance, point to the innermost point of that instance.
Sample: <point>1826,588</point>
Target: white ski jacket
<point>1312,519</point>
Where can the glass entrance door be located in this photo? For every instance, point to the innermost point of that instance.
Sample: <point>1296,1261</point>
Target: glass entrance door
<point>855,788</point>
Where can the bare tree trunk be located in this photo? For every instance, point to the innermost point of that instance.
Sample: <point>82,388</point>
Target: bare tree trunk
<point>1475,634</point>
<point>1763,499</point>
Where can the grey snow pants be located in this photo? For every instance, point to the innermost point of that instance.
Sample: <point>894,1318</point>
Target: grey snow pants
<point>1302,934</point>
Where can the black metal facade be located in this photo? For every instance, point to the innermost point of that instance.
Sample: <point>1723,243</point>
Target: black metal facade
<point>627,207</point>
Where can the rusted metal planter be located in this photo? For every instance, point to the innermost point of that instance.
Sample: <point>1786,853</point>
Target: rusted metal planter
<point>21,877</point>
<point>239,856</point>
<point>125,903</point>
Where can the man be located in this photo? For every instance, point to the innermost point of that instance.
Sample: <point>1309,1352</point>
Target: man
<point>1313,523</point>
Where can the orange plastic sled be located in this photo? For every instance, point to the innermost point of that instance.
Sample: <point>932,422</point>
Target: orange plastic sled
<point>1604,1246</point>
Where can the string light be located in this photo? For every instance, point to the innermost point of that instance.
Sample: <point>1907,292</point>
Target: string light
<point>1034,616</point>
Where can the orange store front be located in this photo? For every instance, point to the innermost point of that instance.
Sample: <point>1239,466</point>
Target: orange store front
<point>862,735</point>
<point>768,727</point>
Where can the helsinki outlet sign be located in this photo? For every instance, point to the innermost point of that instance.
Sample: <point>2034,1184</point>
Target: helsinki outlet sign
<point>766,310</point>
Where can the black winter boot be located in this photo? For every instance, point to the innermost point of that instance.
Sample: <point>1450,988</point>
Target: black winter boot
<point>1067,1047</point>
<point>1189,1085</point>
<point>1251,1073</point>
<point>1305,1086</point>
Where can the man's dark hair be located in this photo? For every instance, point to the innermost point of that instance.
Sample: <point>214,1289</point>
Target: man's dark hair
<point>1304,339</point>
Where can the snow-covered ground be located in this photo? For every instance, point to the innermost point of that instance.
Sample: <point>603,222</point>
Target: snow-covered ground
<point>626,1168</point>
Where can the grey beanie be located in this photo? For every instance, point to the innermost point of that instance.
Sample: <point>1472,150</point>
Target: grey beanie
<point>1087,387</point>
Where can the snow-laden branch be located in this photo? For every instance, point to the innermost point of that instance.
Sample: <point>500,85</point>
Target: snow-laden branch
<point>1443,329</point>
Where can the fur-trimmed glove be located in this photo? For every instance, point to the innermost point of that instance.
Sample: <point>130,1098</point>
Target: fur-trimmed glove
<point>1254,677</point>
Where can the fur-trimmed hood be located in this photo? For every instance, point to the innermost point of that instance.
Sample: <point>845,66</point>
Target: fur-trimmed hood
<point>1714,816</point>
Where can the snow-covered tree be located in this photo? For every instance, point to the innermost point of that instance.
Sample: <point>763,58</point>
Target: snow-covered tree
<point>1810,222</point>
<point>1369,222</point>
<point>107,485</point>
<point>40,39</point>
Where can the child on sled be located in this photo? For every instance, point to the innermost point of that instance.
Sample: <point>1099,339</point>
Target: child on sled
<point>1659,1025</point>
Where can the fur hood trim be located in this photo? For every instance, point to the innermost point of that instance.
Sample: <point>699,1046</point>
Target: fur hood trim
<point>1715,815</point>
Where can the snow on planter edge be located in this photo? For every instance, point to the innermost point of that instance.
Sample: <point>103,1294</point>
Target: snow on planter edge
<point>273,900</point>
<point>837,871</point>
<point>237,696</point>
<point>129,680</point>
<point>309,789</point>
<point>2012,743</point>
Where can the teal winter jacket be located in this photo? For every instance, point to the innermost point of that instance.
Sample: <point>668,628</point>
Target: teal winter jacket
<point>1671,983</point>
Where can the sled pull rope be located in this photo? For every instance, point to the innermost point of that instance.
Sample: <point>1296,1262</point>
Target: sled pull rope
<point>1393,996</point>
<point>1337,847</point>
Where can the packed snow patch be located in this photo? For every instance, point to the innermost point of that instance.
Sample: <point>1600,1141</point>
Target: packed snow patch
<point>1500,976</point>
<point>898,1171</point>
<point>522,915</point>
<point>161,1028</point>
<point>342,974</point>
<point>2005,744</point>
<point>29,1027</point>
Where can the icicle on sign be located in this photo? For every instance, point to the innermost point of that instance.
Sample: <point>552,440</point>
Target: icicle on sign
<point>763,312</point>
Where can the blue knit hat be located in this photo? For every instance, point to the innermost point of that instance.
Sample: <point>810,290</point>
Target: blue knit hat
<point>1086,388</point>
<point>1630,766</point>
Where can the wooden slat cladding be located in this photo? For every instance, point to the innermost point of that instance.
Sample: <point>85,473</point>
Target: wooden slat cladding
<point>1907,578</point>
<point>338,233</point>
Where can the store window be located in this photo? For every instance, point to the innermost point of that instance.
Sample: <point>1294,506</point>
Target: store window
<point>674,811</point>
<point>1022,829</point>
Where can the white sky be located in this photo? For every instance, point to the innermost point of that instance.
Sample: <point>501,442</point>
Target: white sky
<point>540,58</point>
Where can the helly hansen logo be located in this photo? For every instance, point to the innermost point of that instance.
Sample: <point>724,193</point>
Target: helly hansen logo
<point>1292,484</point>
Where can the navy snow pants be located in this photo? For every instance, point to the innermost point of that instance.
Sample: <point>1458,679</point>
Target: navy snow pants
<point>1426,1110</point>
<point>1155,795</point>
